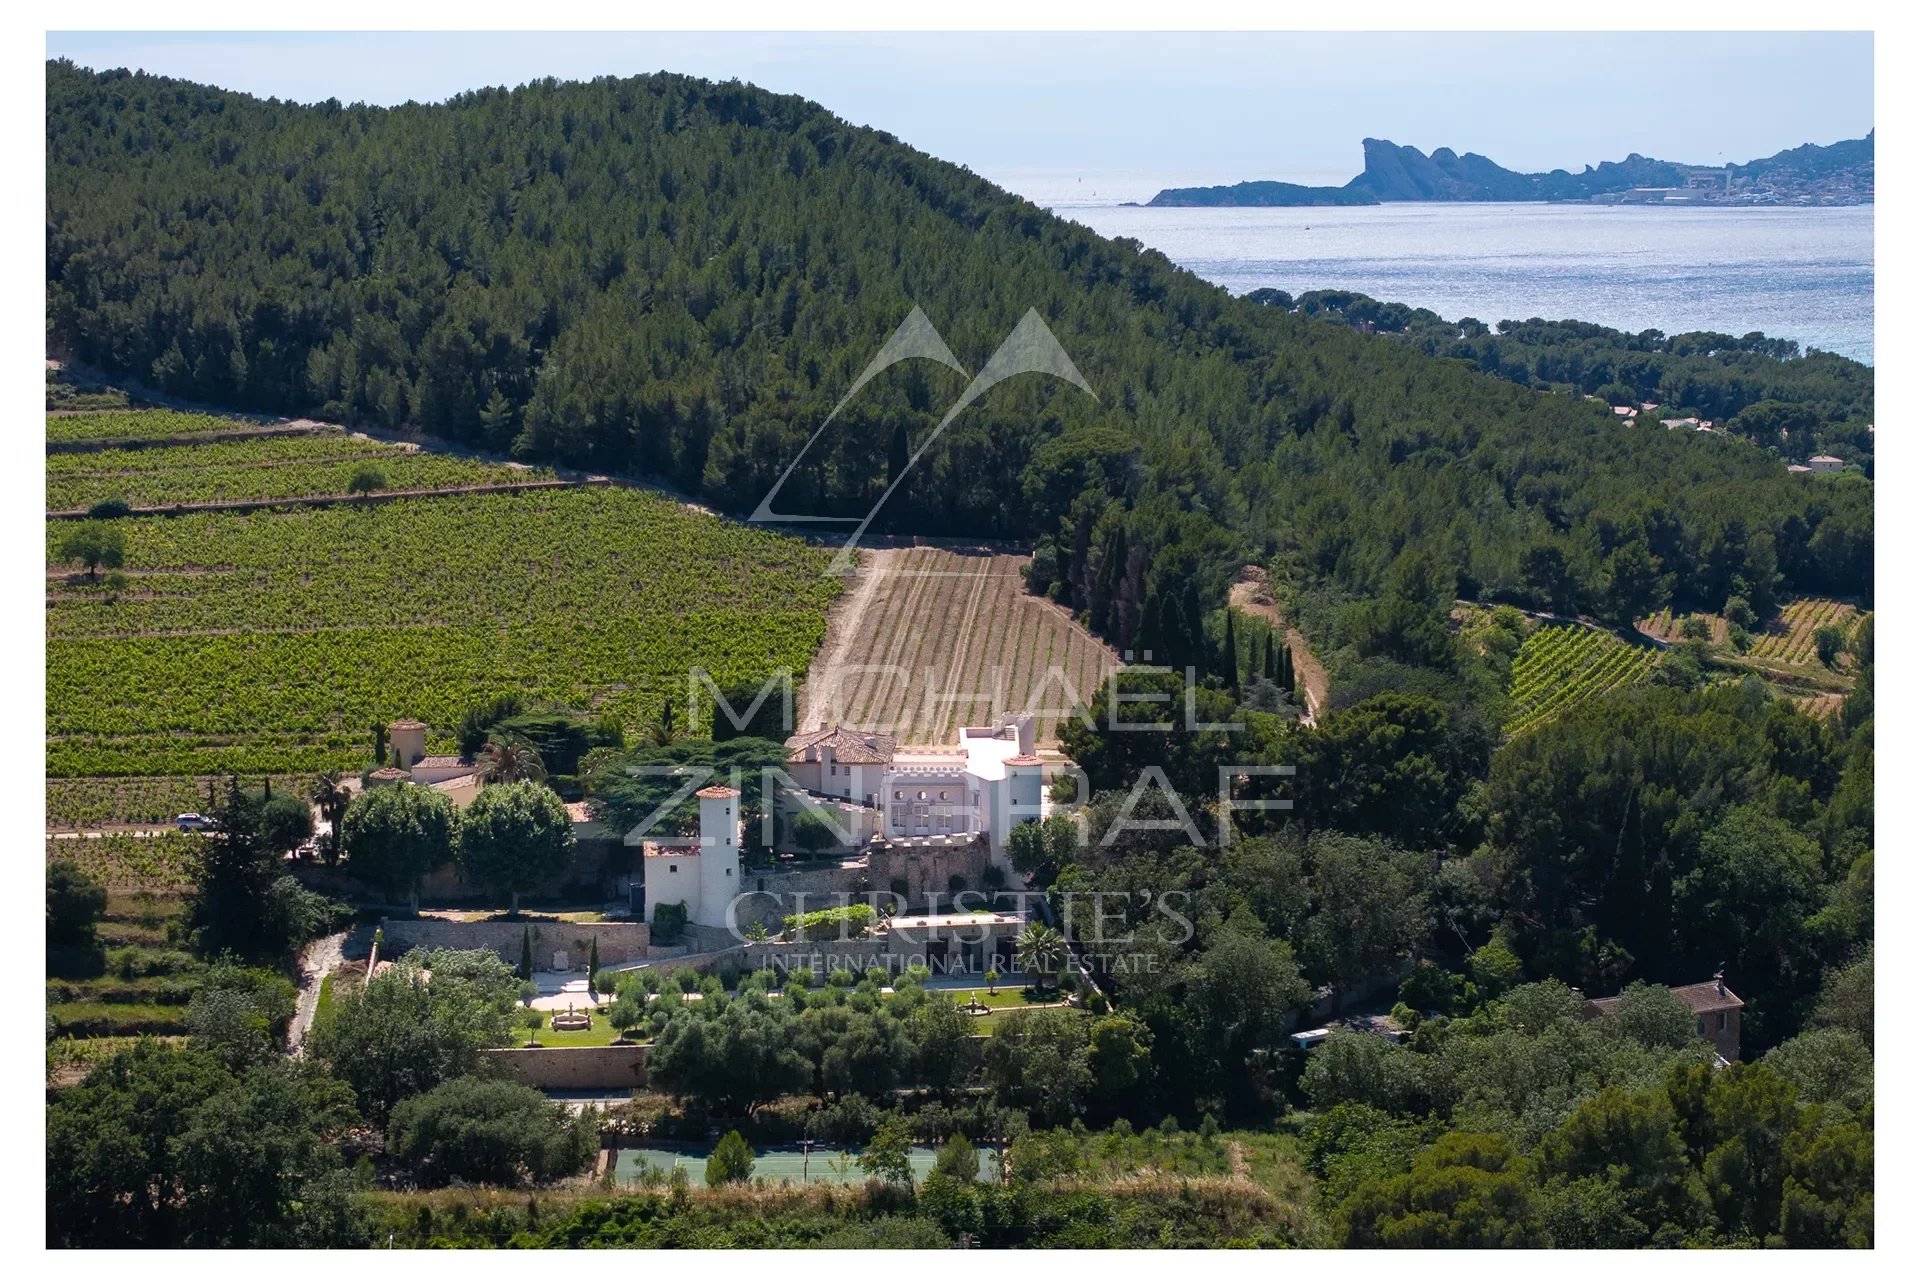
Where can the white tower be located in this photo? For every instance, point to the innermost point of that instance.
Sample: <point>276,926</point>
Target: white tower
<point>719,855</point>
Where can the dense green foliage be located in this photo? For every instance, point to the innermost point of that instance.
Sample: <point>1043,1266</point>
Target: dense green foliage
<point>489,1131</point>
<point>677,278</point>
<point>244,901</point>
<point>1766,390</point>
<point>1578,1133</point>
<point>163,1146</point>
<point>405,1034</point>
<point>515,837</point>
<point>393,836</point>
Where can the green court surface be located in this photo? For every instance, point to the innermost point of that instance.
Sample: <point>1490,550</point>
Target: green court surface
<point>781,1164</point>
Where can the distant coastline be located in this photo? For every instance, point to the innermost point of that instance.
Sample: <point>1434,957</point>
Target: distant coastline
<point>1811,175</point>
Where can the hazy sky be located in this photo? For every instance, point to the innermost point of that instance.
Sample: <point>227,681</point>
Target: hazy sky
<point>1139,110</point>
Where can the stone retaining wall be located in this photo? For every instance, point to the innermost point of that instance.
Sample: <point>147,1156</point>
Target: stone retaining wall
<point>621,941</point>
<point>611,1067</point>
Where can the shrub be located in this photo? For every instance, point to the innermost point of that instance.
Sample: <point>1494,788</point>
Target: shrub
<point>489,1131</point>
<point>669,921</point>
<point>1828,641</point>
<point>731,1161</point>
<point>850,921</point>
<point>74,905</point>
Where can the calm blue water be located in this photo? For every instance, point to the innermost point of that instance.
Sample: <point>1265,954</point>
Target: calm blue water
<point>1805,274</point>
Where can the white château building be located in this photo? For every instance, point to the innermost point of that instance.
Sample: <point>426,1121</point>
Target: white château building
<point>992,783</point>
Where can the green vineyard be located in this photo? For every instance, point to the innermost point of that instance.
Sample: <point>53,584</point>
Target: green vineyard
<point>137,424</point>
<point>161,862</point>
<point>269,467</point>
<point>272,642</point>
<point>1560,667</point>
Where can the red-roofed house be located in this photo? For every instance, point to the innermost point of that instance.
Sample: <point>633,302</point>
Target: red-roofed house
<point>1716,1013</point>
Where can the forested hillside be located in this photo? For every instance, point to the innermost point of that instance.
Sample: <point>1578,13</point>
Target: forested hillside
<point>678,278</point>
<point>1765,390</point>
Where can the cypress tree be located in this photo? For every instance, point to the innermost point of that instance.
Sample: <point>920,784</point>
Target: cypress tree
<point>526,953</point>
<point>593,959</point>
<point>1230,654</point>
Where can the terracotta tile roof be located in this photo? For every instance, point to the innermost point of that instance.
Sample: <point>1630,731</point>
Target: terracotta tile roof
<point>1023,759</point>
<point>407,724</point>
<point>1711,996</point>
<point>388,774</point>
<point>1708,997</point>
<point>442,762</point>
<point>849,746</point>
<point>716,793</point>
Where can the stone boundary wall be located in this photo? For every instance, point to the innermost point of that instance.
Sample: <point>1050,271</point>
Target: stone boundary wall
<point>613,1066</point>
<point>621,941</point>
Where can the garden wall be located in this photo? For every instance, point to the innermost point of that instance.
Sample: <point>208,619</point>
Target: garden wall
<point>613,1066</point>
<point>621,941</point>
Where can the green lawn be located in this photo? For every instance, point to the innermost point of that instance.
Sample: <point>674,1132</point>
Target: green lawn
<point>996,1022</point>
<point>1007,997</point>
<point>600,1033</point>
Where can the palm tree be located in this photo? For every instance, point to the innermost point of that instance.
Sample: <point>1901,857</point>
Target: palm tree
<point>1040,951</point>
<point>511,759</point>
<point>330,795</point>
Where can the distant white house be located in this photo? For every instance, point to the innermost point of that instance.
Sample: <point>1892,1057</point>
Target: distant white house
<point>1825,462</point>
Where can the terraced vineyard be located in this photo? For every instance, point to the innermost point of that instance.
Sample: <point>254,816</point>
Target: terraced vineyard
<point>1560,667</point>
<point>1788,639</point>
<point>269,467</point>
<point>272,642</point>
<point>932,639</point>
<point>137,424</point>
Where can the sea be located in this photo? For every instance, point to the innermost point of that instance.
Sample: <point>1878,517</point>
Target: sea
<point>1790,272</point>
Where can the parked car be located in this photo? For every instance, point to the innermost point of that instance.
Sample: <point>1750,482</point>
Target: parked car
<point>191,822</point>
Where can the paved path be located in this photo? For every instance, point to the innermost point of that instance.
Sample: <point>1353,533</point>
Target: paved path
<point>320,958</point>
